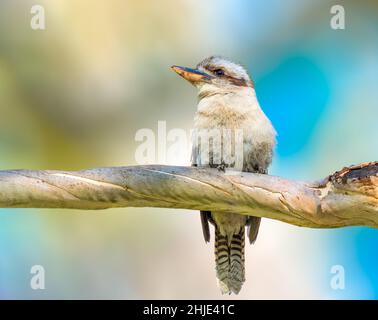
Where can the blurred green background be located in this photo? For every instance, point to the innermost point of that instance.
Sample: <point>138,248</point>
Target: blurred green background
<point>73,96</point>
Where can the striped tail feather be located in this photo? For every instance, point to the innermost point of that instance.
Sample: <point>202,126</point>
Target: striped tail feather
<point>229,260</point>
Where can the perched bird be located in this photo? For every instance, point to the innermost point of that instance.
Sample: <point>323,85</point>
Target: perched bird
<point>227,100</point>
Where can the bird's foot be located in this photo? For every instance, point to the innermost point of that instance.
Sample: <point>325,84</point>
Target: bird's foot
<point>222,167</point>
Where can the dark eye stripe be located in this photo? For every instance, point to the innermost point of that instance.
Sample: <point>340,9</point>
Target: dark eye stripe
<point>236,81</point>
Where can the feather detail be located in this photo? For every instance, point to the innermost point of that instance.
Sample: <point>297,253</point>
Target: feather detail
<point>229,260</point>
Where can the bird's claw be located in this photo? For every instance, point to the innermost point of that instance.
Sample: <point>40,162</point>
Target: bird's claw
<point>222,167</point>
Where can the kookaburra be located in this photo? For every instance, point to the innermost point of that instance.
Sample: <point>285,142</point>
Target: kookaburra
<point>227,100</point>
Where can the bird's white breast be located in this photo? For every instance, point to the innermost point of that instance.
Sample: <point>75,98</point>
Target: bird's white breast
<point>239,110</point>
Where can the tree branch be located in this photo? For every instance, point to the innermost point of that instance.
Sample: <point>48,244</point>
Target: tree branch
<point>345,198</point>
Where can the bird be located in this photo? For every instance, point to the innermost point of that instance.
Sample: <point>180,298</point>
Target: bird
<point>227,100</point>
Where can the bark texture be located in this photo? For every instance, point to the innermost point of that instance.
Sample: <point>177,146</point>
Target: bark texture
<point>345,198</point>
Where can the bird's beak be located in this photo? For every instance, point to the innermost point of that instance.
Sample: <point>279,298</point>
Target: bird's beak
<point>192,75</point>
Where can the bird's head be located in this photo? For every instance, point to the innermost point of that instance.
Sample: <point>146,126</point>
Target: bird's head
<point>216,75</point>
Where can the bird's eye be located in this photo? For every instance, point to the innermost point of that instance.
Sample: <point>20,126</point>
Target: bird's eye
<point>219,72</point>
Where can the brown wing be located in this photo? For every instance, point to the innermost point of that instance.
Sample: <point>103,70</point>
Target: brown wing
<point>205,217</point>
<point>253,225</point>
